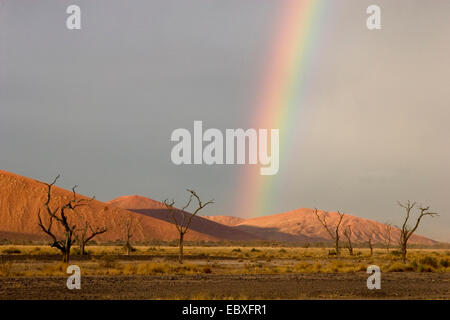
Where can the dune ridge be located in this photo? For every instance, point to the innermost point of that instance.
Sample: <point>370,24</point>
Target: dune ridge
<point>22,197</point>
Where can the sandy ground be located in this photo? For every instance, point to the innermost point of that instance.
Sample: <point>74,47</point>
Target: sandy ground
<point>291,286</point>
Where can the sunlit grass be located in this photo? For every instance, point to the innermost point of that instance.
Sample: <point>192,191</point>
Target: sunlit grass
<point>160,260</point>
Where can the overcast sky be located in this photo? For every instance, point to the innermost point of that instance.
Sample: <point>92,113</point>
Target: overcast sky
<point>98,105</point>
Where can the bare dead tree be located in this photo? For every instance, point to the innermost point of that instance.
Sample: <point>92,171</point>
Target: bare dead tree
<point>60,215</point>
<point>406,231</point>
<point>333,234</point>
<point>82,237</point>
<point>129,229</point>
<point>184,225</point>
<point>348,235</point>
<point>387,235</point>
<point>369,242</point>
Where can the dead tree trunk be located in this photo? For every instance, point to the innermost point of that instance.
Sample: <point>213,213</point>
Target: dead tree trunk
<point>128,235</point>
<point>181,247</point>
<point>60,215</point>
<point>333,234</point>
<point>183,225</point>
<point>387,235</point>
<point>369,242</point>
<point>348,236</point>
<point>82,238</point>
<point>406,231</point>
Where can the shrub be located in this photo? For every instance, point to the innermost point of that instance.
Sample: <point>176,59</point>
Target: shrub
<point>151,268</point>
<point>396,253</point>
<point>12,251</point>
<point>207,269</point>
<point>107,262</point>
<point>130,247</point>
<point>236,250</point>
<point>430,261</point>
<point>129,268</point>
<point>303,267</point>
<point>317,267</point>
<point>361,267</point>
<point>155,268</point>
<point>444,262</point>
<point>401,267</point>
<point>55,269</point>
<point>424,268</point>
<point>332,252</point>
<point>255,250</point>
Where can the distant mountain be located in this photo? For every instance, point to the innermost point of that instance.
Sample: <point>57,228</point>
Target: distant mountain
<point>299,225</point>
<point>226,220</point>
<point>158,210</point>
<point>21,198</point>
<point>302,224</point>
<point>136,203</point>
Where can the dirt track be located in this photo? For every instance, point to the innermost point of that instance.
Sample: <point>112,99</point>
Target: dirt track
<point>292,286</point>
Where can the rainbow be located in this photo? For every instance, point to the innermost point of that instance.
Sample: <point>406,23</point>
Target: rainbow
<point>281,93</point>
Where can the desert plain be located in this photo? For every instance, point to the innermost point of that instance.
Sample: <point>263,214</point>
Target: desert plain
<point>227,272</point>
<point>288,255</point>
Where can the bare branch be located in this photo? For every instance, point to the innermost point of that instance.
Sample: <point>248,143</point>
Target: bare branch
<point>323,221</point>
<point>200,207</point>
<point>169,206</point>
<point>406,232</point>
<point>334,236</point>
<point>60,215</point>
<point>184,226</point>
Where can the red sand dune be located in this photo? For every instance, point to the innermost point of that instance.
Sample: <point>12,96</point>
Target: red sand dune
<point>302,224</point>
<point>297,225</point>
<point>225,220</point>
<point>21,198</point>
<point>136,203</point>
<point>158,210</point>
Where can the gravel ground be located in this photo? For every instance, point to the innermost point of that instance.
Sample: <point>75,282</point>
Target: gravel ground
<point>406,285</point>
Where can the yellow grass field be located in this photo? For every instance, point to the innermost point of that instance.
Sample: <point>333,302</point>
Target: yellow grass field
<point>32,261</point>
